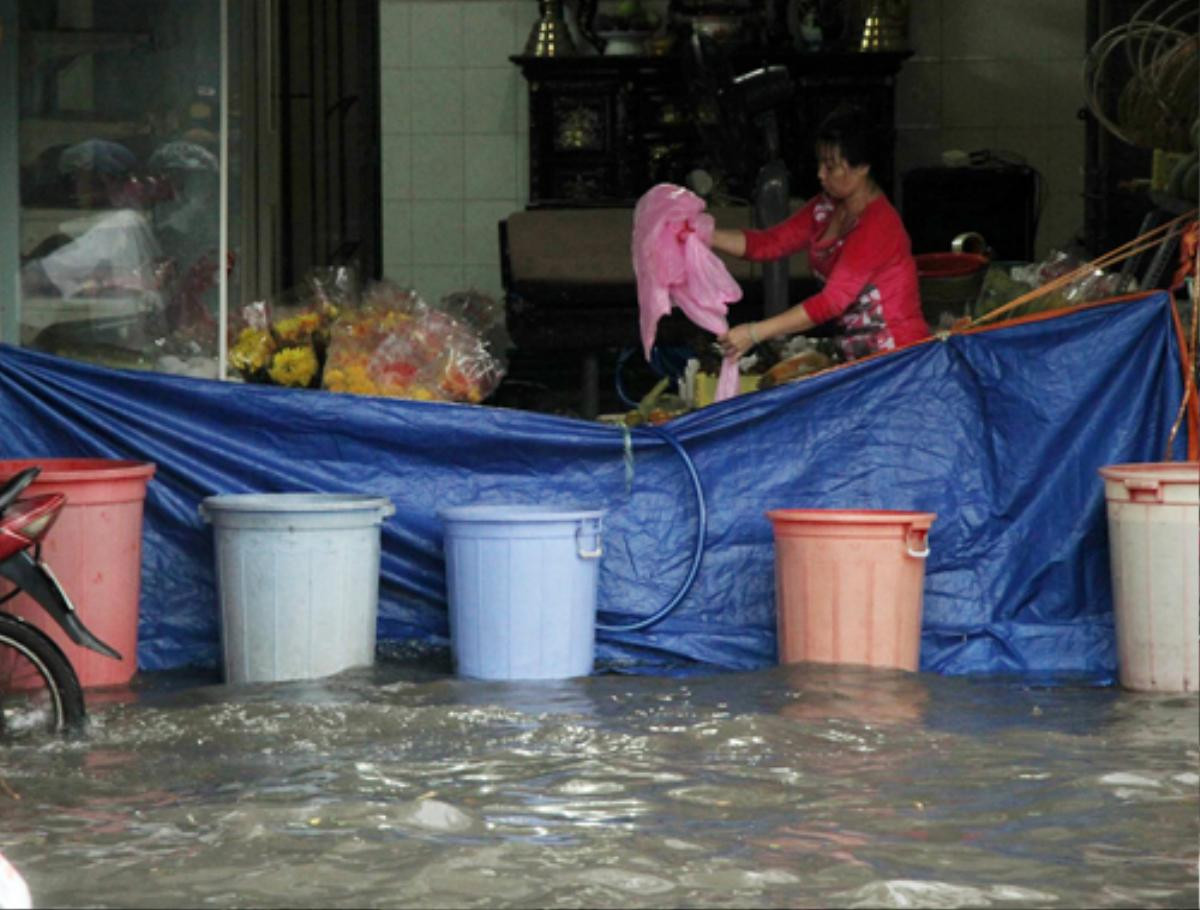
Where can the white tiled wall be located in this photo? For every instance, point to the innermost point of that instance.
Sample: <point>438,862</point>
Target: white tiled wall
<point>1004,76</point>
<point>453,125</point>
<point>998,74</point>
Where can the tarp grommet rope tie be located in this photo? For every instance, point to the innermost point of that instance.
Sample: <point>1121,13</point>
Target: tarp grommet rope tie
<point>627,455</point>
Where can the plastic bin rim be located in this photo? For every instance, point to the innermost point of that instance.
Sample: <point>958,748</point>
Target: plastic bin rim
<point>66,470</point>
<point>515,513</point>
<point>852,516</point>
<point>949,265</point>
<point>295,502</point>
<point>1164,471</point>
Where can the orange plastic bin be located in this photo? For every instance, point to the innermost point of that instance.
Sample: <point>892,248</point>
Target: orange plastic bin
<point>95,550</point>
<point>849,585</point>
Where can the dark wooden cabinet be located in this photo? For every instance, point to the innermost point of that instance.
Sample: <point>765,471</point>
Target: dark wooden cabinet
<point>604,129</point>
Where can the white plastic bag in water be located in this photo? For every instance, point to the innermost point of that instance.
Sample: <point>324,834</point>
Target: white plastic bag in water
<point>14,893</point>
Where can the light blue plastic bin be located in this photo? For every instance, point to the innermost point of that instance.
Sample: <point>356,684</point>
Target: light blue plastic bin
<point>522,586</point>
<point>298,582</point>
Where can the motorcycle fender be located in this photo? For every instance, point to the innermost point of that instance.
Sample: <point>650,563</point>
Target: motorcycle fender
<point>36,580</point>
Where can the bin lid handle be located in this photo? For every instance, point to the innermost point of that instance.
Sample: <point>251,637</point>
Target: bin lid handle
<point>918,536</point>
<point>1141,483</point>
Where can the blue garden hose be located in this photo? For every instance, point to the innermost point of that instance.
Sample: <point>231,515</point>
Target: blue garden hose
<point>697,552</point>
<point>624,356</point>
<point>663,361</point>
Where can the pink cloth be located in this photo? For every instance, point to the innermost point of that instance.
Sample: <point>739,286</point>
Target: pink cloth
<point>674,265</point>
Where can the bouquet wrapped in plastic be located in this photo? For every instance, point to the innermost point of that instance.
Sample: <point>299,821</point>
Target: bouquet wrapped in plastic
<point>284,342</point>
<point>396,345</point>
<point>1004,284</point>
<point>484,315</point>
<point>253,345</point>
<point>274,348</point>
<point>357,334</point>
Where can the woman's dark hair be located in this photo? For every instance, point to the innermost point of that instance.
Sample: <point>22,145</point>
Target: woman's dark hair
<point>855,133</point>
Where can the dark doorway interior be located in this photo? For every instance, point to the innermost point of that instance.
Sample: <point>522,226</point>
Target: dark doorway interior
<point>329,136</point>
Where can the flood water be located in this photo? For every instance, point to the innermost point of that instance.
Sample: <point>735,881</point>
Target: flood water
<point>402,786</point>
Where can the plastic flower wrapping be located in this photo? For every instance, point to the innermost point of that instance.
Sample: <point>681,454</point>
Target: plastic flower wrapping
<point>252,345</point>
<point>397,345</point>
<point>1004,283</point>
<point>384,341</point>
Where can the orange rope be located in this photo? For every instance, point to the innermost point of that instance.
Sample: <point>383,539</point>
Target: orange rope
<point>1189,243</point>
<point>1190,348</point>
<point>1131,248</point>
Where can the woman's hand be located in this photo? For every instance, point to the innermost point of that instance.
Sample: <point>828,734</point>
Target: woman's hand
<point>738,340</point>
<point>741,338</point>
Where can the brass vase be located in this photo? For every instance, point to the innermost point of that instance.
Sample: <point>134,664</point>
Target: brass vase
<point>885,26</point>
<point>550,36</point>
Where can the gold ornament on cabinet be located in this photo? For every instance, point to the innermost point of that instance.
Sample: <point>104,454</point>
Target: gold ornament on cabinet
<point>550,36</point>
<point>885,26</point>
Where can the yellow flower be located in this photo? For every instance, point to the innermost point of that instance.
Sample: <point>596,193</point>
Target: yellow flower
<point>351,377</point>
<point>359,380</point>
<point>294,367</point>
<point>251,351</point>
<point>298,328</point>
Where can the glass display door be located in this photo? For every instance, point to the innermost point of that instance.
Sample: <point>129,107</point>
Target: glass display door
<point>116,191</point>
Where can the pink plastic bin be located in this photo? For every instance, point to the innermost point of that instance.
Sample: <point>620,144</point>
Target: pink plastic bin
<point>95,550</point>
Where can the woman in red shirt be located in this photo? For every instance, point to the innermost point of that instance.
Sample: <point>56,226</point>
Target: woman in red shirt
<point>857,246</point>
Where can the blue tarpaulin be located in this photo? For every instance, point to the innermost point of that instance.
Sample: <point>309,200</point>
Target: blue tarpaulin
<point>999,432</point>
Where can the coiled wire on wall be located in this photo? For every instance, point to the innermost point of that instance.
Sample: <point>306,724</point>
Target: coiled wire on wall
<point>697,550</point>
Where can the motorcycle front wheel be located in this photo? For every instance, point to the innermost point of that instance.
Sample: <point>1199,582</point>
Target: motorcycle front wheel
<point>39,690</point>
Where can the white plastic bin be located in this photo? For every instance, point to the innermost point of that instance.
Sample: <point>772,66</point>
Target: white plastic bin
<point>1154,550</point>
<point>298,582</point>
<point>522,584</point>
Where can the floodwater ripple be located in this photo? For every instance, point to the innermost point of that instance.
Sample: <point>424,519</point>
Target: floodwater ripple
<point>794,786</point>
